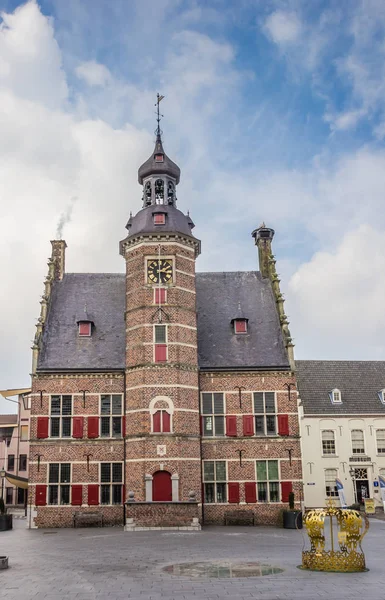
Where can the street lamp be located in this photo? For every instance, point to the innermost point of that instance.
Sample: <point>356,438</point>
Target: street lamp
<point>352,474</point>
<point>2,475</point>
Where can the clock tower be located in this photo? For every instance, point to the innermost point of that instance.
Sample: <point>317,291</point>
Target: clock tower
<point>162,432</point>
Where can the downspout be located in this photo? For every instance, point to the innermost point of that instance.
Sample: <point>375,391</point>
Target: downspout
<point>124,449</point>
<point>201,449</point>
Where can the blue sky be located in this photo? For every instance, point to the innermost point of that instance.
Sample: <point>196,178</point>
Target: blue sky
<point>274,110</point>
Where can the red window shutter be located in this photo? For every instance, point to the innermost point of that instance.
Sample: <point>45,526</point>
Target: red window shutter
<point>240,326</point>
<point>160,352</point>
<point>283,424</point>
<point>42,427</point>
<point>41,495</point>
<point>156,421</point>
<point>123,426</point>
<point>231,425</point>
<point>160,296</point>
<point>159,218</point>
<point>166,422</point>
<point>233,492</point>
<point>77,427</point>
<point>286,488</point>
<point>250,492</point>
<point>84,328</point>
<point>93,427</point>
<point>93,495</point>
<point>77,495</point>
<point>248,425</point>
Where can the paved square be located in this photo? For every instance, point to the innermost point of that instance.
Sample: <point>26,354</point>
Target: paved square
<point>89,563</point>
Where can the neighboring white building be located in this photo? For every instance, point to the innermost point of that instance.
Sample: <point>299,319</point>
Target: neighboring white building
<point>342,417</point>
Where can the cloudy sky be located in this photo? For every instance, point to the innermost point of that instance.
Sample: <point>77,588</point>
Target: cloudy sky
<point>275,112</point>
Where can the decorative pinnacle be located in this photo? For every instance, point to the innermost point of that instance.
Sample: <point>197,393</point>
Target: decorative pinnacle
<point>159,98</point>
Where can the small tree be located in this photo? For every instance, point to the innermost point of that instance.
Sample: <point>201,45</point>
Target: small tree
<point>291,501</point>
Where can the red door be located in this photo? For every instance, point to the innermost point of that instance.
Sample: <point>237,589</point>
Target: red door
<point>161,487</point>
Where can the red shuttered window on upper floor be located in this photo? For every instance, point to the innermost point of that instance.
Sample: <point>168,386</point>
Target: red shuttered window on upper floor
<point>77,427</point>
<point>160,353</point>
<point>161,422</point>
<point>93,427</point>
<point>233,488</point>
<point>42,427</point>
<point>248,424</point>
<point>160,296</point>
<point>231,425</point>
<point>283,424</point>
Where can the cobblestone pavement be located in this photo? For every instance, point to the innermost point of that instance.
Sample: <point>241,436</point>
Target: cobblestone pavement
<point>91,563</point>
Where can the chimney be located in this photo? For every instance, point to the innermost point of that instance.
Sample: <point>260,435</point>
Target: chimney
<point>263,237</point>
<point>58,258</point>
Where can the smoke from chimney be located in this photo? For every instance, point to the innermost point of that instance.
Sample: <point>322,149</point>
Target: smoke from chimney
<point>65,218</point>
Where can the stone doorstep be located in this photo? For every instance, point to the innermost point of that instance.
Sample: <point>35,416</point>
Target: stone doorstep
<point>134,528</point>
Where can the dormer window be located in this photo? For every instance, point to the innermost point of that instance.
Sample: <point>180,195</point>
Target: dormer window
<point>240,325</point>
<point>381,395</point>
<point>158,157</point>
<point>159,219</point>
<point>335,396</point>
<point>85,328</point>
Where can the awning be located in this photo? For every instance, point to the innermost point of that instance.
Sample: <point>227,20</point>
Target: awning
<point>6,393</point>
<point>21,482</point>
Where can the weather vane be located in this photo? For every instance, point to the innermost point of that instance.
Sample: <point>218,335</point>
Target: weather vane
<point>159,98</point>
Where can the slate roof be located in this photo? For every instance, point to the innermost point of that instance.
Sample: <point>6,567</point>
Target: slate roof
<point>143,221</point>
<point>219,296</point>
<point>358,381</point>
<point>104,296</point>
<point>152,167</point>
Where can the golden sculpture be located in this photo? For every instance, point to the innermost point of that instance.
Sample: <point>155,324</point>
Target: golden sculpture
<point>351,525</point>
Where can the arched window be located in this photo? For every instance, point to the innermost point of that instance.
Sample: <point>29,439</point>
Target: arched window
<point>170,193</point>
<point>147,193</point>
<point>335,396</point>
<point>161,411</point>
<point>159,191</point>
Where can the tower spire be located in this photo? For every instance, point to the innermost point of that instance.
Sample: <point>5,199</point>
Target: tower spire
<point>158,131</point>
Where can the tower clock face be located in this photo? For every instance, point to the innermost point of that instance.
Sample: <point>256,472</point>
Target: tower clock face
<point>159,271</point>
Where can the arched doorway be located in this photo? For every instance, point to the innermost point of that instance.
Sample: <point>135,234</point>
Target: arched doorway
<point>161,487</point>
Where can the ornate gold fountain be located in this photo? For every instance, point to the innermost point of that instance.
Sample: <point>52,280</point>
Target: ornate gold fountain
<point>330,552</point>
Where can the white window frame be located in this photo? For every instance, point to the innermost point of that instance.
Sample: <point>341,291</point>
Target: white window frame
<point>377,448</point>
<point>335,396</point>
<point>110,416</point>
<point>60,417</point>
<point>111,484</point>
<point>363,439</point>
<point>213,415</point>
<point>334,491</point>
<point>267,481</point>
<point>265,414</point>
<point>322,443</point>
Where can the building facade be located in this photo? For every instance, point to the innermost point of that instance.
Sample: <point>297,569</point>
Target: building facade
<point>343,429</point>
<point>163,384</point>
<point>14,450</point>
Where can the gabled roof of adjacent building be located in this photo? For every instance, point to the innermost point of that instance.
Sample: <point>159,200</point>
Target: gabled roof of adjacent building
<point>8,420</point>
<point>219,296</point>
<point>359,382</point>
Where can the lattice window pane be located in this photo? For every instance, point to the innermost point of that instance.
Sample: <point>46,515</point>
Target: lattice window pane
<point>117,472</point>
<point>273,469</point>
<point>55,427</point>
<point>261,470</point>
<point>208,426</point>
<point>116,494</point>
<point>262,491</point>
<point>116,426</point>
<point>160,334</point>
<point>105,494</point>
<point>55,405</point>
<point>105,405</point>
<point>105,472</point>
<point>105,427</point>
<point>259,425</point>
<point>116,404</point>
<point>66,405</point>
<point>66,427</point>
<point>274,491</point>
<point>219,425</point>
<point>270,402</point>
<point>220,470</point>
<point>209,493</point>
<point>258,402</point>
<point>53,491</point>
<point>64,494</point>
<point>270,425</point>
<point>218,404</point>
<point>208,470</point>
<point>53,476</point>
<point>207,404</point>
<point>65,473</point>
<point>221,492</point>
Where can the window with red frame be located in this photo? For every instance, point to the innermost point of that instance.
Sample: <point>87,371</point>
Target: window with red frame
<point>85,328</point>
<point>240,326</point>
<point>159,219</point>
<point>160,296</point>
<point>161,421</point>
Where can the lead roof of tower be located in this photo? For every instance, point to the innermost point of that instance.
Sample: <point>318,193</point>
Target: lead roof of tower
<point>157,167</point>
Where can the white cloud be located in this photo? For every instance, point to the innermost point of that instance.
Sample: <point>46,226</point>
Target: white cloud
<point>283,27</point>
<point>345,120</point>
<point>337,298</point>
<point>93,73</point>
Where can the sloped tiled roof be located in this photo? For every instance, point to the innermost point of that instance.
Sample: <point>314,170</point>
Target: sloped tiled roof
<point>103,295</point>
<point>358,381</point>
<point>219,296</point>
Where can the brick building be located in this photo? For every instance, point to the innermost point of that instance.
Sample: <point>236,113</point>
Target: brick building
<point>171,389</point>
